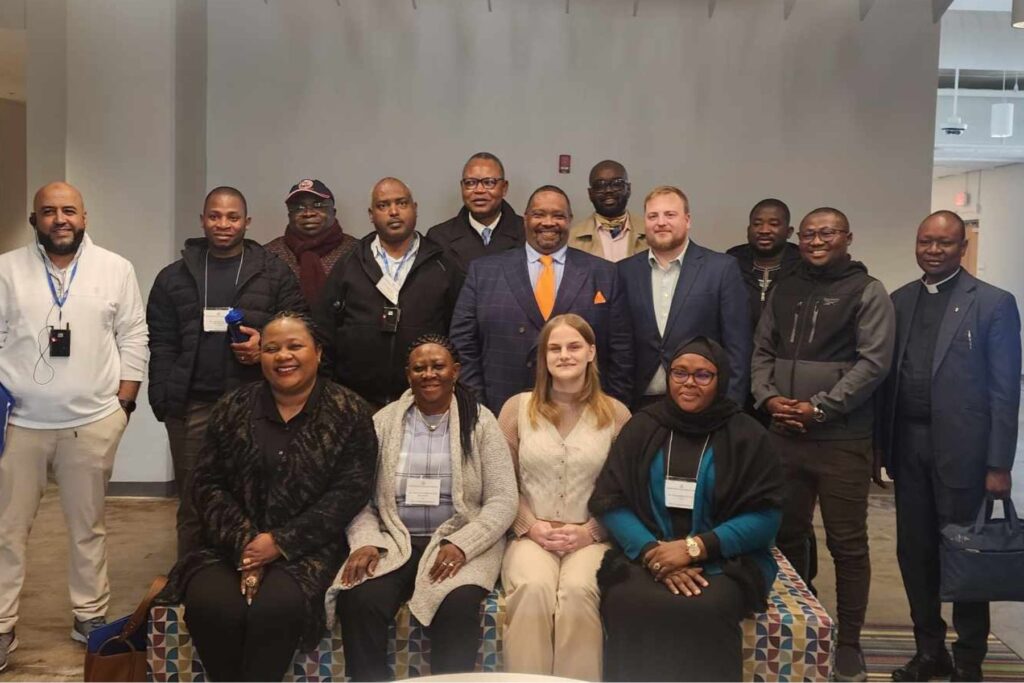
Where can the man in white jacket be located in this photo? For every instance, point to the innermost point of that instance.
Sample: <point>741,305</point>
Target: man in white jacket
<point>72,354</point>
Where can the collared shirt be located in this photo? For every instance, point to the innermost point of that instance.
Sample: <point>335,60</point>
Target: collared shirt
<point>425,454</point>
<point>614,248</point>
<point>480,227</point>
<point>534,265</point>
<point>663,288</point>
<point>273,435</point>
<point>396,269</point>
<point>937,287</point>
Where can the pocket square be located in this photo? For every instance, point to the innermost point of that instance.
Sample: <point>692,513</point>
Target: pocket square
<point>599,298</point>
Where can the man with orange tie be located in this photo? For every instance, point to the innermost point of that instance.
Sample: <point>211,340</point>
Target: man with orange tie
<point>508,297</point>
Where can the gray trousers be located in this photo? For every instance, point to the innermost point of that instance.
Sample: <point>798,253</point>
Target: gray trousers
<point>186,436</point>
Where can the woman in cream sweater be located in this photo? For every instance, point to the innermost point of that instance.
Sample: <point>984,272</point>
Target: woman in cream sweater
<point>559,435</point>
<point>435,528</point>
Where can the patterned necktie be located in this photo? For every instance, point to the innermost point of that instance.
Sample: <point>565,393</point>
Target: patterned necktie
<point>545,291</point>
<point>613,226</point>
<point>486,234</point>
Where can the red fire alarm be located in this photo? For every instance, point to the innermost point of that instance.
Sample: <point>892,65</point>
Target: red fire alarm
<point>564,163</point>
<point>961,199</point>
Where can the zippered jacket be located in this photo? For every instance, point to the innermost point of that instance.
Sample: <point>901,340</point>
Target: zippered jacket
<point>826,336</point>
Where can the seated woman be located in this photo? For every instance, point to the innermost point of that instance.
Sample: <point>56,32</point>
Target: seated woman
<point>434,533</point>
<point>559,435</point>
<point>287,463</point>
<point>691,494</point>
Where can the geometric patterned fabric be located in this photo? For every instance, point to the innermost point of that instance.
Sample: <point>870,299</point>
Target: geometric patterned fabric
<point>792,641</point>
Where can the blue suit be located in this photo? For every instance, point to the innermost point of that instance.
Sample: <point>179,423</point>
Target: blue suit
<point>710,300</point>
<point>496,323</point>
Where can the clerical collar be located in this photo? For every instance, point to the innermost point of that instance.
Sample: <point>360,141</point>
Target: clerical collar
<point>940,286</point>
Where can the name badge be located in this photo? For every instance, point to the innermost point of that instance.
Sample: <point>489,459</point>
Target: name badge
<point>680,493</point>
<point>213,319</point>
<point>423,492</point>
<point>389,288</point>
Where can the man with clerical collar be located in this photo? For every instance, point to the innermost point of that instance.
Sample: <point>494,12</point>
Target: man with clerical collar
<point>948,432</point>
<point>72,355</point>
<point>193,358</point>
<point>313,241</point>
<point>822,348</point>
<point>486,224</point>
<point>768,255</point>
<point>610,232</point>
<point>395,286</point>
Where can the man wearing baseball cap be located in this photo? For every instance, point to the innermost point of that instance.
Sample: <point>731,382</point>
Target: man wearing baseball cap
<point>313,241</point>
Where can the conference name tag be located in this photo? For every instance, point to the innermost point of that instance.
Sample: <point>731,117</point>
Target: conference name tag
<point>422,491</point>
<point>213,319</point>
<point>680,493</point>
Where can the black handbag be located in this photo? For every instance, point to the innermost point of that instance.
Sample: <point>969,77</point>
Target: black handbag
<point>983,562</point>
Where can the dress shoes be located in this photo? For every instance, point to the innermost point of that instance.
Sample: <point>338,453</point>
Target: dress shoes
<point>925,667</point>
<point>966,673</point>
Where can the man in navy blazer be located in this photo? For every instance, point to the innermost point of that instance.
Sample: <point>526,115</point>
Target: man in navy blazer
<point>678,290</point>
<point>497,317</point>
<point>948,432</point>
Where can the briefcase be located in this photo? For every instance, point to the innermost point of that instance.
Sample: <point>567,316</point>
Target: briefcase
<point>117,651</point>
<point>983,562</point>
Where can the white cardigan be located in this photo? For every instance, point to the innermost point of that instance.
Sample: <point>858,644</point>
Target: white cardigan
<point>484,495</point>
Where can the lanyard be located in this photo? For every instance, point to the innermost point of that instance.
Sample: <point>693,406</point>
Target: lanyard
<point>385,260</point>
<point>65,291</point>
<point>206,276</point>
<point>668,460</point>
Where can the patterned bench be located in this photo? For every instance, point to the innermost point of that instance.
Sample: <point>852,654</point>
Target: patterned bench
<point>792,641</point>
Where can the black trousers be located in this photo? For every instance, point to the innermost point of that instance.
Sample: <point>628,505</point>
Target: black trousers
<point>366,612</point>
<point>240,642</point>
<point>923,506</point>
<point>835,475</point>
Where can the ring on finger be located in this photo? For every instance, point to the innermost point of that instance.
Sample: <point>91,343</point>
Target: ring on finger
<point>656,566</point>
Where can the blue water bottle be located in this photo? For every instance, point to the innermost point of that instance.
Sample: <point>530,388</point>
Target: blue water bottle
<point>234,319</point>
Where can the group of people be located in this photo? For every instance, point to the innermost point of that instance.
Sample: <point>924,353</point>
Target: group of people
<point>613,420</point>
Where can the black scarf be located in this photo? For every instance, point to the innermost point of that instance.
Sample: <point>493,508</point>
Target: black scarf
<point>747,472</point>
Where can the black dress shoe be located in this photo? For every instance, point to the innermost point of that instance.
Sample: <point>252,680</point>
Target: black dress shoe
<point>966,673</point>
<point>925,667</point>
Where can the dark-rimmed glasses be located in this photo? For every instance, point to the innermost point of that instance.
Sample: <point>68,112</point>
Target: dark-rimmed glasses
<point>615,184</point>
<point>488,183</point>
<point>295,209</point>
<point>701,378</point>
<point>825,234</point>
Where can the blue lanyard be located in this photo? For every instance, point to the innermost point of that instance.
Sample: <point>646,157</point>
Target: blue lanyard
<point>59,300</point>
<point>386,261</point>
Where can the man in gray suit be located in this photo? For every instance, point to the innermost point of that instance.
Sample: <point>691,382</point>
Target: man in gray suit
<point>949,431</point>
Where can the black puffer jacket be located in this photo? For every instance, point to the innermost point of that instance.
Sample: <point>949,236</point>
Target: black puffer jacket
<point>367,359</point>
<point>174,314</point>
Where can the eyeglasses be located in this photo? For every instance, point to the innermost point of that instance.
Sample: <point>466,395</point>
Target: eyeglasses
<point>616,184</point>
<point>488,183</point>
<point>701,378</point>
<point>294,209</point>
<point>825,234</point>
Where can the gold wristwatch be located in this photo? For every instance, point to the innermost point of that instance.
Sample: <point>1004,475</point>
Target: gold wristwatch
<point>692,547</point>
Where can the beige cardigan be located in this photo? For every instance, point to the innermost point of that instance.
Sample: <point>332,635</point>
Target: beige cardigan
<point>583,235</point>
<point>484,495</point>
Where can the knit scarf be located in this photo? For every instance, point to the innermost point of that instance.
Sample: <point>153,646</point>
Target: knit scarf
<point>308,251</point>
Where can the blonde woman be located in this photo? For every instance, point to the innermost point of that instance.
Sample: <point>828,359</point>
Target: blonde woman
<point>559,435</point>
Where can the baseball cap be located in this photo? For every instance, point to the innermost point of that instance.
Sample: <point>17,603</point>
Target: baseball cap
<point>312,187</point>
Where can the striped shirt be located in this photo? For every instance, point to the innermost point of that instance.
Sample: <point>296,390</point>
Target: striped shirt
<point>425,454</point>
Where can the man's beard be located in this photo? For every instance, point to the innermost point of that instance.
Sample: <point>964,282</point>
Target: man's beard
<point>61,249</point>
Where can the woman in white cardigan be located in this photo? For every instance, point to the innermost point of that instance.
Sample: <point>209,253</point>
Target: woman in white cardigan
<point>559,435</point>
<point>434,533</point>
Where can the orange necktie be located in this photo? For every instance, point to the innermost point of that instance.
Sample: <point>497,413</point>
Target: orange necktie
<point>545,291</point>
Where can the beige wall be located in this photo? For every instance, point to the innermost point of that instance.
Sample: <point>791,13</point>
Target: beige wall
<point>13,205</point>
<point>822,109</point>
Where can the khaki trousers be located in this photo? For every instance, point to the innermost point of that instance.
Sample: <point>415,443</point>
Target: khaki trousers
<point>552,605</point>
<point>81,459</point>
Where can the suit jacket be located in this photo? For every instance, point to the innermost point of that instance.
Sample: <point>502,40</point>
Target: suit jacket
<point>462,243</point>
<point>496,323</point>
<point>710,299</point>
<point>975,393</point>
<point>583,235</point>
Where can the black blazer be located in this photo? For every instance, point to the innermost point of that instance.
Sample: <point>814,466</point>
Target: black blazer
<point>975,381</point>
<point>710,300</point>
<point>463,244</point>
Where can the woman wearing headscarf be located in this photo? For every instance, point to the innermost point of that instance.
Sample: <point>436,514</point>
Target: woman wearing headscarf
<point>691,494</point>
<point>559,434</point>
<point>434,532</point>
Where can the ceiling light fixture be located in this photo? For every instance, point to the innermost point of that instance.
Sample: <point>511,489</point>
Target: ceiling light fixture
<point>1017,14</point>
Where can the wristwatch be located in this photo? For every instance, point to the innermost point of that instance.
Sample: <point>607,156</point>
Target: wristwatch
<point>127,406</point>
<point>819,414</point>
<point>692,547</point>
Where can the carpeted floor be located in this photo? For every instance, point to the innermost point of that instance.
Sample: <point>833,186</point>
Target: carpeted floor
<point>888,647</point>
